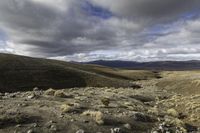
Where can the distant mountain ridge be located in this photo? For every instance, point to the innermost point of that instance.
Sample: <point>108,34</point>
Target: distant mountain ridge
<point>156,65</point>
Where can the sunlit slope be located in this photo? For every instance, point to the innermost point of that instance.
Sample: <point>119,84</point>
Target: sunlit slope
<point>184,82</point>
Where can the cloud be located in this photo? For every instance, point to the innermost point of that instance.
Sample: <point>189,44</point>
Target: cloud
<point>101,29</point>
<point>150,11</point>
<point>41,27</point>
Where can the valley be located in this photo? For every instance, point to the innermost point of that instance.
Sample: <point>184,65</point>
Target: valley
<point>50,96</point>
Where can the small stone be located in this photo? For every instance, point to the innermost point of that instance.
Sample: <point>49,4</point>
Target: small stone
<point>30,131</point>
<point>12,96</point>
<point>35,125</point>
<point>51,121</point>
<point>115,130</point>
<point>80,131</point>
<point>6,94</point>
<point>53,128</point>
<point>155,132</point>
<point>18,125</point>
<point>22,105</point>
<point>61,116</point>
<point>36,89</point>
<point>31,96</point>
<point>118,111</point>
<point>86,121</point>
<point>128,104</point>
<point>49,124</point>
<point>128,126</point>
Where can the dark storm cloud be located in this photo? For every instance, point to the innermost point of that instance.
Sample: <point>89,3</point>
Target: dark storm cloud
<point>101,29</point>
<point>150,10</point>
<point>25,15</point>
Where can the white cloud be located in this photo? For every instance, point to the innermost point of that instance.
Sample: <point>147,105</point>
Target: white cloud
<point>61,5</point>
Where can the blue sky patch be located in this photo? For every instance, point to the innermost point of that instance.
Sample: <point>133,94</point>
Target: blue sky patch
<point>96,11</point>
<point>3,36</point>
<point>190,15</point>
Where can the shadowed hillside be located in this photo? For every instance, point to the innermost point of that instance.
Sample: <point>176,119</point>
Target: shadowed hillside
<point>23,73</point>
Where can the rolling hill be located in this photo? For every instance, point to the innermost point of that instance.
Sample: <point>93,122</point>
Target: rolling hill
<point>20,73</point>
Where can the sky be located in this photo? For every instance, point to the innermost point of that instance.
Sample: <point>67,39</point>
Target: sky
<point>87,30</point>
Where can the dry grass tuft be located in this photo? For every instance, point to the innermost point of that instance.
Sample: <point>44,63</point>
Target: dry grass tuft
<point>96,115</point>
<point>172,112</point>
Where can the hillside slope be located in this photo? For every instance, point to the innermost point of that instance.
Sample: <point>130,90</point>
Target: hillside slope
<point>19,73</point>
<point>183,82</point>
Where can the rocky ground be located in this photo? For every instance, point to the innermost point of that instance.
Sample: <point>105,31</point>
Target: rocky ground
<point>100,110</point>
